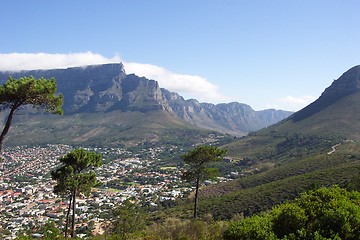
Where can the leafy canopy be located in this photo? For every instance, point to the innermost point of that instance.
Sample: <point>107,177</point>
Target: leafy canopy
<point>40,93</point>
<point>327,213</point>
<point>198,160</point>
<point>72,175</point>
<point>128,218</point>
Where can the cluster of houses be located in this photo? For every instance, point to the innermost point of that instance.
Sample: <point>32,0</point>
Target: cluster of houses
<point>26,189</point>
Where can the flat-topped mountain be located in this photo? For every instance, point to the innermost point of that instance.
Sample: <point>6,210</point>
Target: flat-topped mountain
<point>102,89</point>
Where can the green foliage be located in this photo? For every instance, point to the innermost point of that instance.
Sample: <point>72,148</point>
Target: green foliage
<point>259,192</point>
<point>80,159</point>
<point>289,218</point>
<point>48,231</point>
<point>75,177</point>
<point>257,227</point>
<point>197,160</point>
<point>39,93</point>
<point>332,212</point>
<point>327,213</point>
<point>70,176</point>
<point>128,218</point>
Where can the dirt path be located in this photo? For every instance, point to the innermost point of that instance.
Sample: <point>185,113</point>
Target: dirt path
<point>333,149</point>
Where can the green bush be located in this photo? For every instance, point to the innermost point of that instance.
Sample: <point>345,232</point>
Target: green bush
<point>327,213</point>
<point>288,219</point>
<point>257,227</point>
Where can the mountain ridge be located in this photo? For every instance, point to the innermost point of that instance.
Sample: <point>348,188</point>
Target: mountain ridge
<point>316,146</point>
<point>347,84</point>
<point>106,88</point>
<point>329,120</point>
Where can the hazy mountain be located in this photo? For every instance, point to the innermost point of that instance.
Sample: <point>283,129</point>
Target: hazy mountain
<point>107,88</point>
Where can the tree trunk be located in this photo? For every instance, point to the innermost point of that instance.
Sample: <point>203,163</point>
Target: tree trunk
<point>196,196</point>
<point>7,125</point>
<point>68,218</point>
<point>73,215</point>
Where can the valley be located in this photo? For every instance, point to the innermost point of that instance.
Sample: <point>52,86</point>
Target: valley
<point>149,175</point>
<point>272,156</point>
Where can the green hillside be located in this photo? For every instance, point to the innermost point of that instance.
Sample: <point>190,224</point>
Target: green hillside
<point>290,138</point>
<point>108,129</point>
<point>259,192</point>
<point>317,146</point>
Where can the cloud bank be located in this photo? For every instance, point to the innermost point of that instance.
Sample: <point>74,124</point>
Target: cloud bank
<point>33,61</point>
<point>189,86</point>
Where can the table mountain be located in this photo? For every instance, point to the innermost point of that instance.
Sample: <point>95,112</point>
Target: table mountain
<point>106,88</point>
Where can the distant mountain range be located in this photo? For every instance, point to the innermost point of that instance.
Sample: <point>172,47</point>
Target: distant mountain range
<point>105,89</point>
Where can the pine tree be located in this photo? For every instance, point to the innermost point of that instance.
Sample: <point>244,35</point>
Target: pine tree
<point>75,177</point>
<point>17,93</point>
<point>198,160</point>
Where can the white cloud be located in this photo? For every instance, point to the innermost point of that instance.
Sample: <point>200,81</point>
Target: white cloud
<point>292,103</point>
<point>32,61</point>
<point>190,86</point>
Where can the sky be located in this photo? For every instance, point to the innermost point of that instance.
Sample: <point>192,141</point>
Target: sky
<point>278,54</point>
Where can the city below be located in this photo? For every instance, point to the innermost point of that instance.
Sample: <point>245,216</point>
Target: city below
<point>27,198</point>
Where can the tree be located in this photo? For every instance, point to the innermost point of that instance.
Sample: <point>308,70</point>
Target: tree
<point>128,218</point>
<point>17,93</point>
<point>75,177</point>
<point>198,160</point>
<point>47,231</point>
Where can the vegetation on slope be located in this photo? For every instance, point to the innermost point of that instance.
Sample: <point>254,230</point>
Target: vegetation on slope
<point>324,213</point>
<point>110,129</point>
<point>259,192</point>
<point>332,213</point>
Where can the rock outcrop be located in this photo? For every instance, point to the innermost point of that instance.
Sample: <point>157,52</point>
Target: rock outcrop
<point>104,88</point>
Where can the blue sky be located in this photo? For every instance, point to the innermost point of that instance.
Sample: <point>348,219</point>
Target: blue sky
<point>268,54</point>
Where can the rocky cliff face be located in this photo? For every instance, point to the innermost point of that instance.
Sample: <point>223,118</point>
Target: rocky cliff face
<point>104,88</point>
<point>235,118</point>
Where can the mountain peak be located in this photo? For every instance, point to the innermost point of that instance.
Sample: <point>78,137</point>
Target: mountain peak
<point>347,84</point>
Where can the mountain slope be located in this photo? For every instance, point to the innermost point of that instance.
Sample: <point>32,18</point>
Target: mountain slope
<point>108,129</point>
<point>317,146</point>
<point>346,85</point>
<point>96,91</point>
<point>333,116</point>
